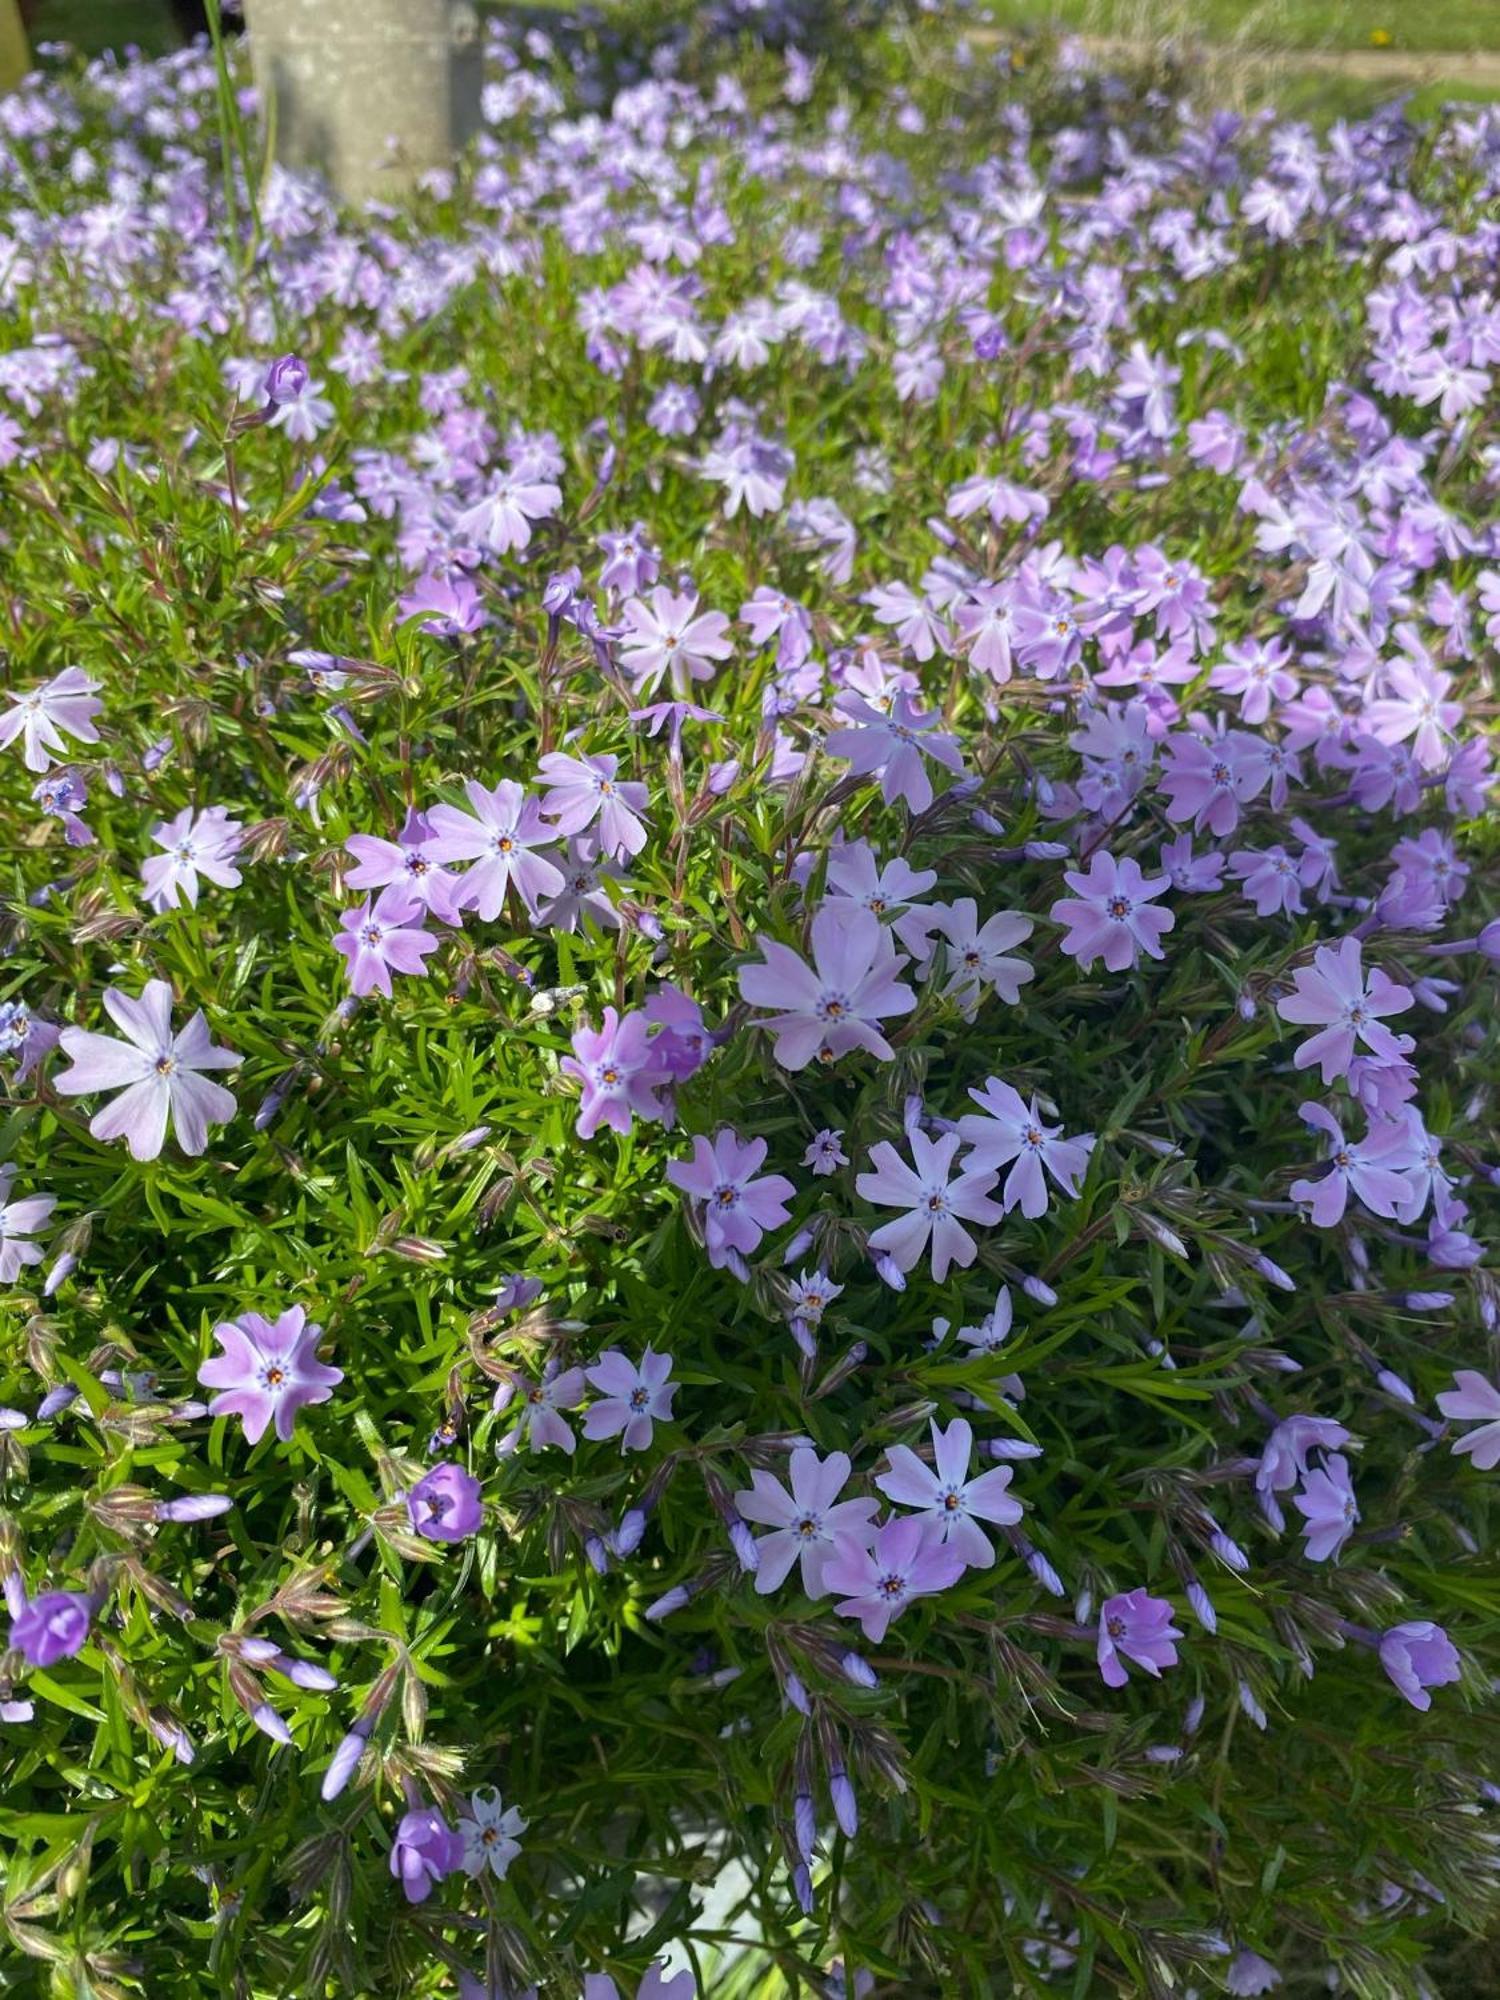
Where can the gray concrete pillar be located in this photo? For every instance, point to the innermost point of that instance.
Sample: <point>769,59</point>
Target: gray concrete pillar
<point>368,93</point>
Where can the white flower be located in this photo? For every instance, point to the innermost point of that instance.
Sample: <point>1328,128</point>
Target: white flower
<point>491,1833</point>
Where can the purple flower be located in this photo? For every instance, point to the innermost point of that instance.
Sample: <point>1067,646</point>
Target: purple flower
<point>19,1222</point>
<point>832,1006</point>
<point>1335,994</point>
<point>447,605</point>
<point>620,1071</point>
<point>1111,914</point>
<point>1249,1973</point>
<point>445,1504</point>
<point>538,1404</point>
<point>634,1397</point>
<point>1473,1397</point>
<point>1375,1168</point>
<point>1419,1655</point>
<point>66,702</point>
<point>671,636</point>
<point>500,520</point>
<point>505,837</point>
<point>379,940</point>
<point>826,1153</point>
<point>893,745</point>
<point>1415,706</point>
<point>906,1559</point>
<point>51,1627</point>
<point>269,1369</point>
<point>1139,1627</point>
<point>405,863</point>
<point>157,1074</point>
<point>951,1503</point>
<point>806,1521</point>
<point>1327,1502</point>
<point>935,1199</point>
<point>1284,1460</point>
<point>737,1208</point>
<point>976,953</point>
<point>683,1043</point>
<point>425,1850</point>
<point>583,789</point>
<point>196,844</point>
<point>1011,1129</point>
<point>490,1833</point>
<point>285,380</point>
<point>1208,779</point>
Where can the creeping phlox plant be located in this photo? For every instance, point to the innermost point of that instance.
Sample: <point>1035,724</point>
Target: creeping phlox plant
<point>749,1031</point>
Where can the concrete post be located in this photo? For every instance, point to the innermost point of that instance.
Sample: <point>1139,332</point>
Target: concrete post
<point>368,93</point>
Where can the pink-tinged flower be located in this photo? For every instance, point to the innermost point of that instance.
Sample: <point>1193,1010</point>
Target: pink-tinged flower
<point>832,1006</point>
<point>1139,1627</point>
<point>1337,996</point>
<point>949,1501</point>
<point>1007,1128</point>
<point>538,1405</point>
<point>1419,1655</point>
<point>826,1153</point>
<point>491,1834</point>
<point>635,1398</point>
<point>908,1559</point>
<point>620,1071</point>
<point>51,1627</point>
<point>425,1850</point>
<point>1375,1168</point>
<point>196,844</point>
<point>1474,1399</point>
<point>976,954</point>
<point>892,891</point>
<point>935,1199</point>
<point>806,1521</point>
<point>737,1208</point>
<point>1285,1457</point>
<point>376,941</point>
<point>157,1073</point>
<point>269,1369</point>
<point>1414,705</point>
<point>1328,1506</point>
<point>19,1222</point>
<point>405,863</point>
<point>506,838</point>
<point>65,703</point>
<point>893,745</point>
<point>445,1504</point>
<point>671,636</point>
<point>583,789</point>
<point>500,519</point>
<point>447,605</point>
<point>1111,914</point>
<point>1208,778</point>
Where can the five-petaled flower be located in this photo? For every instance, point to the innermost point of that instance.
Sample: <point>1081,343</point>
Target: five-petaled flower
<point>737,1208</point>
<point>948,1499</point>
<point>1337,996</point>
<point>1112,913</point>
<point>880,1576</point>
<point>269,1369</point>
<point>633,1397</point>
<point>1136,1627</point>
<point>832,1006</point>
<point>938,1202</point>
<point>806,1521</point>
<point>158,1074</point>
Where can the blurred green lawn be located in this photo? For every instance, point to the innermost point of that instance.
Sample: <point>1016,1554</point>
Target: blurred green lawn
<point>1448,25</point>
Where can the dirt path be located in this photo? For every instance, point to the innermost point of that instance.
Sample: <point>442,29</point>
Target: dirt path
<point>1398,67</point>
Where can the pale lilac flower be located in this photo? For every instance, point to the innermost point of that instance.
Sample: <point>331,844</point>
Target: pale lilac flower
<point>620,1071</point>
<point>1328,1505</point>
<point>1140,1627</point>
<point>585,871</point>
<point>1336,995</point>
<point>950,1502</point>
<point>809,1297</point>
<point>1249,1973</point>
<point>377,941</point>
<point>916,624</point>
<point>581,790</point>
<point>635,1397</point>
<point>158,1074</point>
<point>737,1208</point>
<point>196,844</point>
<point>656,1984</point>
<point>1111,914</point>
<point>826,1153</point>
<point>1007,1128</point>
<point>1208,779</point>
<point>445,1504</point>
<point>425,1850</point>
<point>19,1222</point>
<point>1285,1458</point>
<point>1473,1399</point>
<point>506,838</point>
<point>269,1369</point>
<point>671,636</point>
<point>26,1036</point>
<point>804,1521</point>
<point>65,703</point>
<point>976,954</point>
<point>935,1199</point>
<point>300,409</point>
<point>538,1404</point>
<point>1415,706</point>
<point>1417,1656</point>
<point>893,745</point>
<point>448,606</point>
<point>490,1832</point>
<point>906,1560</point>
<point>51,1627</point>
<point>405,863</point>
<point>1271,879</point>
<point>1375,1168</point>
<point>500,519</point>
<point>891,890</point>
<point>827,1009</point>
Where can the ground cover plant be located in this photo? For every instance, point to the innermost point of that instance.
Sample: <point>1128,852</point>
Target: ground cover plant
<point>749,934</point>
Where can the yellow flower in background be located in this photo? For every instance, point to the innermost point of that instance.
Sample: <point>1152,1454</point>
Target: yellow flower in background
<point>1380,38</point>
